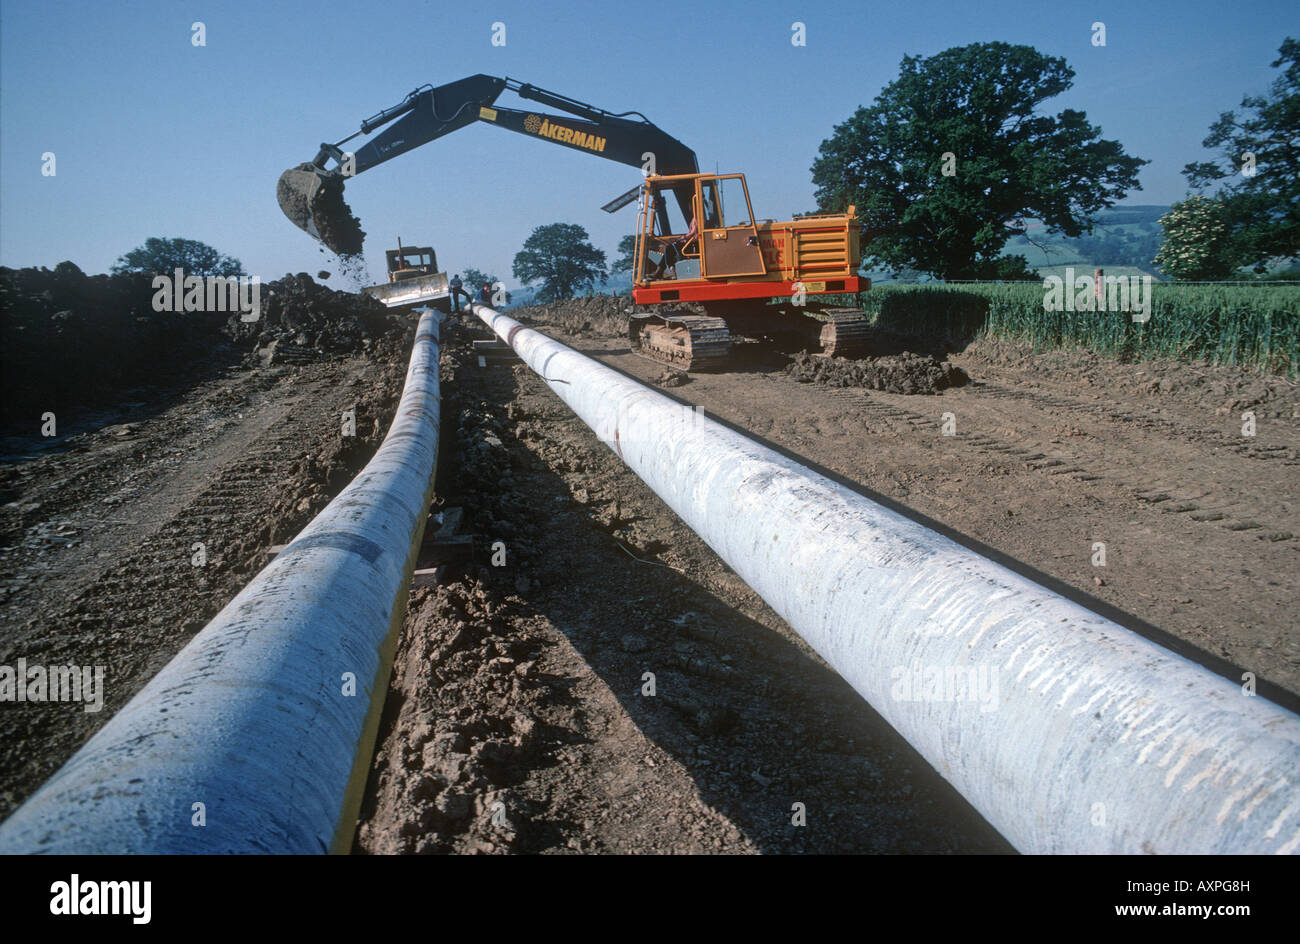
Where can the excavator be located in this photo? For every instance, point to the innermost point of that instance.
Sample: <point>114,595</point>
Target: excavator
<point>758,277</point>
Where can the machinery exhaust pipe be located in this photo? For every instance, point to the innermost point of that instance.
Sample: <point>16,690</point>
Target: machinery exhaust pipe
<point>1067,731</point>
<point>258,735</point>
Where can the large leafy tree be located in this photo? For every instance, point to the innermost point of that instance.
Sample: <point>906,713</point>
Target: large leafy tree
<point>559,256</point>
<point>1196,241</point>
<point>164,256</point>
<point>952,156</point>
<point>626,261</point>
<point>1258,167</point>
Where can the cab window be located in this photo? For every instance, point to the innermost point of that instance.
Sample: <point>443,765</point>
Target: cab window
<point>732,203</point>
<point>709,202</point>
<point>667,197</point>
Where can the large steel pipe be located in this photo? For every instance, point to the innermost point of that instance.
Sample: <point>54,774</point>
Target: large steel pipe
<point>257,736</point>
<point>1067,731</point>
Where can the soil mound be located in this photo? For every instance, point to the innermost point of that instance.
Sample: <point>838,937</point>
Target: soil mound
<point>302,319</point>
<point>599,316</point>
<point>71,340</point>
<point>904,373</point>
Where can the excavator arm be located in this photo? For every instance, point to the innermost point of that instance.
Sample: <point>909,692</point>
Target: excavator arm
<point>311,194</point>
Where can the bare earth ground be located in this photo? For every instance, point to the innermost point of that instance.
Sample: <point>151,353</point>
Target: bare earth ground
<point>518,718</point>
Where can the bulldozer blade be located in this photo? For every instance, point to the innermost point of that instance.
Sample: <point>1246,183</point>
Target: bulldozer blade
<point>296,192</point>
<point>427,288</point>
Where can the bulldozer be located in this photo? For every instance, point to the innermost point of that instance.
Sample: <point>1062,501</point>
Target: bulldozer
<point>736,272</point>
<point>413,279</point>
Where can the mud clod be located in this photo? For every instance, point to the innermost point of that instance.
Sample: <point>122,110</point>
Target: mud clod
<point>904,373</point>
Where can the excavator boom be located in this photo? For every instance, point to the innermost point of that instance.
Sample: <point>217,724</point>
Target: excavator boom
<point>311,194</point>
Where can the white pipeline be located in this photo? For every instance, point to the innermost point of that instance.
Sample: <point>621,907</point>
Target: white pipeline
<point>257,736</point>
<point>1067,731</point>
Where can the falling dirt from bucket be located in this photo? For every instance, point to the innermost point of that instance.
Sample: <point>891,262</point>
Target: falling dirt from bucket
<point>313,201</point>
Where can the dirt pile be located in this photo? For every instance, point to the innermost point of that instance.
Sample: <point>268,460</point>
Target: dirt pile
<point>74,341</point>
<point>301,319</point>
<point>905,373</point>
<point>70,339</point>
<point>598,316</point>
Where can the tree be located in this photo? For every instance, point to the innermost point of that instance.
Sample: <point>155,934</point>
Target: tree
<point>1259,165</point>
<point>561,258</point>
<point>164,256</point>
<point>951,157</point>
<point>626,261</point>
<point>475,280</point>
<point>1196,246</point>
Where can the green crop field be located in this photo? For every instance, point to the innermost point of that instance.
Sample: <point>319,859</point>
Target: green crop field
<point>1247,326</point>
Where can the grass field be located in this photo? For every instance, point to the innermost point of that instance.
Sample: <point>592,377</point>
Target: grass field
<point>1242,325</point>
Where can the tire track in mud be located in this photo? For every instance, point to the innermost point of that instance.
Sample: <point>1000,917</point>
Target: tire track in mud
<point>1230,513</point>
<point>1251,448</point>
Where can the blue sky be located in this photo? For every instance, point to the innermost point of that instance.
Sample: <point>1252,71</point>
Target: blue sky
<point>156,137</point>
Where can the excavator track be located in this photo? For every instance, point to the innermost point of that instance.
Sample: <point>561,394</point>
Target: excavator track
<point>683,341</point>
<point>844,332</point>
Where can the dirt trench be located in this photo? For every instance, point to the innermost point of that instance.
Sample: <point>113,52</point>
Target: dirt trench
<point>519,718</point>
<point>518,721</point>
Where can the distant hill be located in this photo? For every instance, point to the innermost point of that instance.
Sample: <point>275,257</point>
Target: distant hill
<point>620,285</point>
<point>1127,236</point>
<point>1123,238</point>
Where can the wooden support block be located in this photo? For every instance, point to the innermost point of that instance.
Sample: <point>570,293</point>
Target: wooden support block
<point>450,550</point>
<point>493,352</point>
<point>428,577</point>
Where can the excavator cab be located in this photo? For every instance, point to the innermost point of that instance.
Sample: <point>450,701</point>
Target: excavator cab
<point>725,240</point>
<point>754,275</point>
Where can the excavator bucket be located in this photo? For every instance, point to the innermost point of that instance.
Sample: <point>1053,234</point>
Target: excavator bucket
<point>296,190</point>
<point>312,198</point>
